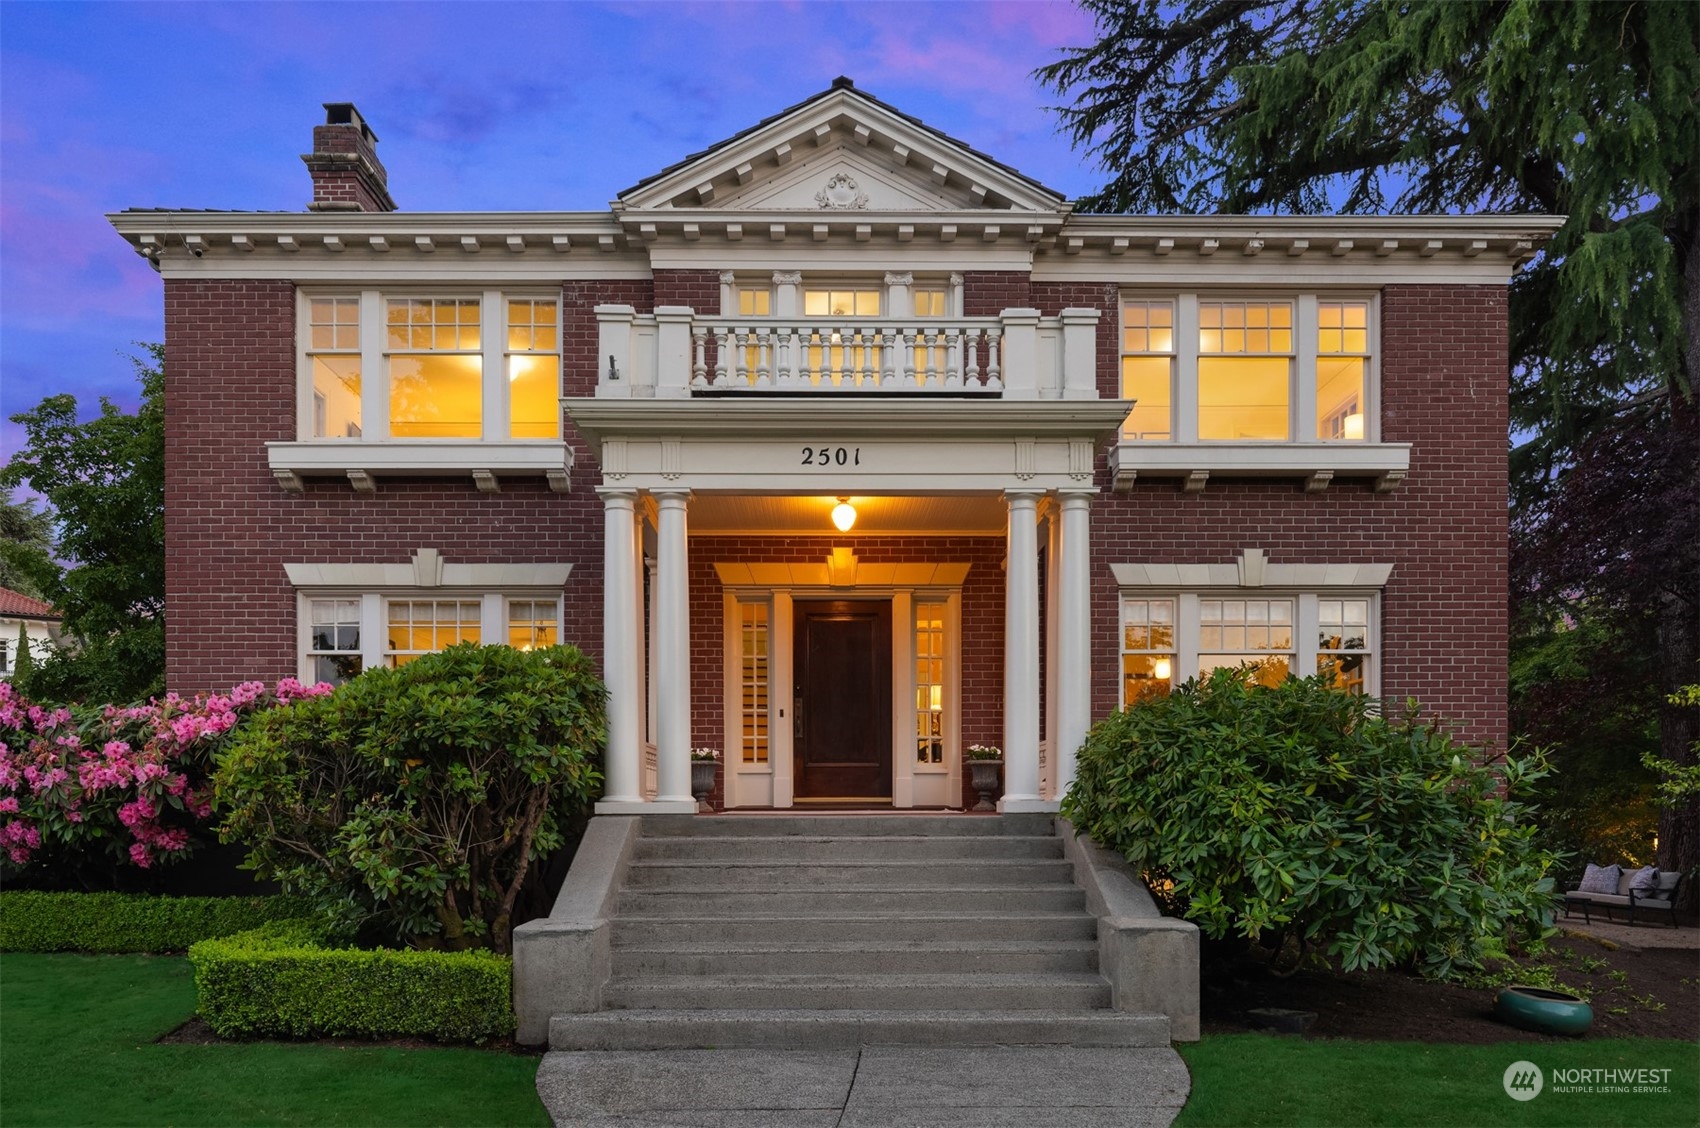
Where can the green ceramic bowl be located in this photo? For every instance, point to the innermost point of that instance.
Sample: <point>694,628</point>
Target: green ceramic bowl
<point>1543,1011</point>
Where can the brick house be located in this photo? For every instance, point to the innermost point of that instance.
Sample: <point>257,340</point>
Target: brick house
<point>843,447</point>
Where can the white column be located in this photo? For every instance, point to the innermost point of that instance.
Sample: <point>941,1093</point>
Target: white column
<point>1021,658</point>
<point>1074,634</point>
<point>672,656</point>
<point>620,652</point>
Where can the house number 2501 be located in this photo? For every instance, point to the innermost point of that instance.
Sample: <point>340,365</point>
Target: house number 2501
<point>832,456</point>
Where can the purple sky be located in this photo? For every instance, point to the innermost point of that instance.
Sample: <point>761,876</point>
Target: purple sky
<point>478,106</point>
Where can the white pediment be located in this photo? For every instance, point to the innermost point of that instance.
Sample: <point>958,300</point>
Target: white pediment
<point>839,152</point>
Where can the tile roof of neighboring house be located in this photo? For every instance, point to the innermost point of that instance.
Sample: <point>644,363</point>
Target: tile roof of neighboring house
<point>17,605</point>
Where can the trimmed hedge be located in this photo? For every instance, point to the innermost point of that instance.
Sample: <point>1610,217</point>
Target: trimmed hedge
<point>280,981</point>
<point>128,922</point>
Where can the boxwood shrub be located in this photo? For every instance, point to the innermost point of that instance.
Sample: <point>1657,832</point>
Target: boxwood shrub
<point>281,981</point>
<point>128,922</point>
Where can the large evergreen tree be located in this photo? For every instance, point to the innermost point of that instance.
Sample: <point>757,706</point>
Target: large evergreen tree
<point>26,546</point>
<point>1583,109</point>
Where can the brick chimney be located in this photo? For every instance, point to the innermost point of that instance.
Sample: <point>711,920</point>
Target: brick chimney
<point>344,164</point>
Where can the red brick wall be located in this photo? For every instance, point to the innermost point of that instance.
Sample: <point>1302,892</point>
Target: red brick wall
<point>987,293</point>
<point>699,289</point>
<point>982,620</point>
<point>230,388</point>
<point>1443,387</point>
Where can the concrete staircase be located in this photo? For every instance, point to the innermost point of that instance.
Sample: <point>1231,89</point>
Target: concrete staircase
<point>817,931</point>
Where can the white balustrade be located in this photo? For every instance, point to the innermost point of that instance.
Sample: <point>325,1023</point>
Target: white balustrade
<point>809,354</point>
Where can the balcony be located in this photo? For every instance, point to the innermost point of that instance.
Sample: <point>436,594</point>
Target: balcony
<point>676,353</point>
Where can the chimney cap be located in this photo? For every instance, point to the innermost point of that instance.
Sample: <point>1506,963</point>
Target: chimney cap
<point>344,113</point>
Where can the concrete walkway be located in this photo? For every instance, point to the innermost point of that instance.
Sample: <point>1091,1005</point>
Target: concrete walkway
<point>873,1087</point>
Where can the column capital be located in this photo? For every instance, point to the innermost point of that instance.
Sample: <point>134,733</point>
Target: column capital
<point>617,497</point>
<point>1026,498</point>
<point>1077,497</point>
<point>670,497</point>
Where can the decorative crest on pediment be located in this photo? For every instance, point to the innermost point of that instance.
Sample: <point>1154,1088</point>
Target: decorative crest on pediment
<point>842,192</point>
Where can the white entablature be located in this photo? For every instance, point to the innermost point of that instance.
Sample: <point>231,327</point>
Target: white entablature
<point>841,151</point>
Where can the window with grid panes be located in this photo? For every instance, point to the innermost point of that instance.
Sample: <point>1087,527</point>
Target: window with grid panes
<point>534,369</point>
<point>333,352</point>
<point>333,640</point>
<point>1245,370</point>
<point>533,623</point>
<point>425,626</point>
<point>436,367</point>
<point>1342,644</point>
<point>1148,368</point>
<point>1342,364</point>
<point>1148,649</point>
<point>842,353</point>
<point>929,682</point>
<point>1242,632</point>
<point>753,681</point>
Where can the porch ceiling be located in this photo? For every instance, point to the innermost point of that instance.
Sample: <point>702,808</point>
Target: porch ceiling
<point>765,515</point>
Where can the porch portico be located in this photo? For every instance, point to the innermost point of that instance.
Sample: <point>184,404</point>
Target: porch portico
<point>1019,471</point>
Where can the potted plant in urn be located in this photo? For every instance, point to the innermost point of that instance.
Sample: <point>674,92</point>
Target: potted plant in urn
<point>703,762</point>
<point>984,763</point>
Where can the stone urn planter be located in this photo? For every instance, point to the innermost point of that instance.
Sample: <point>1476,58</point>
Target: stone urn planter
<point>702,783</point>
<point>1543,1011</point>
<point>983,777</point>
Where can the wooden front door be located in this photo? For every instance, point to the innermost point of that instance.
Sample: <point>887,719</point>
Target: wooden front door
<point>842,699</point>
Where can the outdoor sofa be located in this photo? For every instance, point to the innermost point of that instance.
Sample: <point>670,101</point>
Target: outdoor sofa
<point>1613,887</point>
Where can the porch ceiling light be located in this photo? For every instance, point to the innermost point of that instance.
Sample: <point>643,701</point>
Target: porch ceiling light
<point>844,515</point>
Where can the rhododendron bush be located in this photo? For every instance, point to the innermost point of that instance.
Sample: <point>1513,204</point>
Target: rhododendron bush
<point>116,786</point>
<point>410,805</point>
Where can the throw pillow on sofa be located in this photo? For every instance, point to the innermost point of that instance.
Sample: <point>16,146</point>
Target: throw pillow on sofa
<point>1600,879</point>
<point>1647,877</point>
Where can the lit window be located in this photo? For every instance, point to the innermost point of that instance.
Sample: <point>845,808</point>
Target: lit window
<point>753,681</point>
<point>333,349</point>
<point>929,301</point>
<point>1245,370</point>
<point>436,368</point>
<point>755,303</point>
<point>1148,649</point>
<point>425,626</point>
<point>842,353</point>
<point>533,623</point>
<point>1148,361</point>
<point>1204,369</point>
<point>333,642</point>
<point>534,370</point>
<point>1342,359</point>
<point>1343,641</point>
<point>1168,637</point>
<point>929,682</point>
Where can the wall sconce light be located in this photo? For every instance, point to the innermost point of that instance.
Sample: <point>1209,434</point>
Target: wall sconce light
<point>1354,425</point>
<point>1162,669</point>
<point>844,515</point>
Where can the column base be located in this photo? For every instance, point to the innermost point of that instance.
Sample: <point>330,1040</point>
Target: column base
<point>1019,805</point>
<point>642,807</point>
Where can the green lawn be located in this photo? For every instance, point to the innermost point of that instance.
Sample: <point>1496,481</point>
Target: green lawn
<point>1256,1079</point>
<point>77,1042</point>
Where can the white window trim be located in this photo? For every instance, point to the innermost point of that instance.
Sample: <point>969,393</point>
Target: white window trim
<point>1318,461</point>
<point>1251,576</point>
<point>426,576</point>
<point>363,460</point>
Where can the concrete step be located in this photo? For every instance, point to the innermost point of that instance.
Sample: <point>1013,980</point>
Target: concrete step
<point>719,900</point>
<point>845,1029</point>
<point>845,874</point>
<point>826,848</point>
<point>871,928</point>
<point>840,825</point>
<point>787,957</point>
<point>969,992</point>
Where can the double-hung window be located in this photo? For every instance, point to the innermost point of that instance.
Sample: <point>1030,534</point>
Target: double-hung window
<point>1170,637</point>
